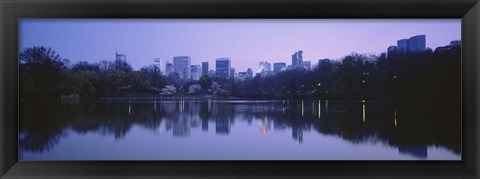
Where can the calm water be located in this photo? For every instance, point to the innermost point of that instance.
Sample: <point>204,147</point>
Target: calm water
<point>240,130</point>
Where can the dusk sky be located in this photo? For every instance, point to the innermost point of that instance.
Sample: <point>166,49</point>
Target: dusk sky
<point>245,42</point>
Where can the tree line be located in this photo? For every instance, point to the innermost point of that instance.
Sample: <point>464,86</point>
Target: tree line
<point>429,74</point>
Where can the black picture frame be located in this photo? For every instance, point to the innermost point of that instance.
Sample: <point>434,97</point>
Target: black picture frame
<point>467,10</point>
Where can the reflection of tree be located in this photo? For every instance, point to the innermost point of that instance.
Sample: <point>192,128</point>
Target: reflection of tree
<point>419,124</point>
<point>40,135</point>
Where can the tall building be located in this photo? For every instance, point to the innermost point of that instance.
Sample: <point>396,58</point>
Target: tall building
<point>168,68</point>
<point>242,75</point>
<point>264,66</point>
<point>156,62</point>
<point>416,43</point>
<point>181,65</point>
<point>413,44</point>
<point>402,46</point>
<point>204,68</point>
<point>196,72</point>
<point>297,59</point>
<point>307,65</point>
<point>160,64</point>
<point>279,67</point>
<point>211,73</point>
<point>120,60</point>
<point>232,72</point>
<point>222,66</point>
<point>249,73</point>
<point>392,51</point>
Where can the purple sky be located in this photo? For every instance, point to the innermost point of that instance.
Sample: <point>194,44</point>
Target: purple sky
<point>245,42</point>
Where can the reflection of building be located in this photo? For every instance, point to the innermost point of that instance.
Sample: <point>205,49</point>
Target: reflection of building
<point>204,68</point>
<point>416,151</point>
<point>181,65</point>
<point>223,66</point>
<point>205,125</point>
<point>278,125</point>
<point>277,67</point>
<point>297,133</point>
<point>196,71</point>
<point>222,126</point>
<point>182,127</point>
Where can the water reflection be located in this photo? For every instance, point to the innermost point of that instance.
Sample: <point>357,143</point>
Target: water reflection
<point>44,125</point>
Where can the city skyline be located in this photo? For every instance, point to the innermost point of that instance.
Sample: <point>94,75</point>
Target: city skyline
<point>244,42</point>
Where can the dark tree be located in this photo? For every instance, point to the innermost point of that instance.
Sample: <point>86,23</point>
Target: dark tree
<point>43,70</point>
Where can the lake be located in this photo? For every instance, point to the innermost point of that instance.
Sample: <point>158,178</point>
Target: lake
<point>240,130</point>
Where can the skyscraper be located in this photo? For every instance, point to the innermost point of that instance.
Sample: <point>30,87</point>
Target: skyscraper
<point>120,60</point>
<point>204,68</point>
<point>264,66</point>
<point>392,51</point>
<point>307,65</point>
<point>168,68</point>
<point>416,43</point>
<point>181,65</point>
<point>160,64</point>
<point>120,57</point>
<point>402,46</point>
<point>413,44</point>
<point>196,72</point>
<point>242,75</point>
<point>297,59</point>
<point>232,72</point>
<point>279,67</point>
<point>223,66</point>
<point>249,73</point>
<point>156,62</point>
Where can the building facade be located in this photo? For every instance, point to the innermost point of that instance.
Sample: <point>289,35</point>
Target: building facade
<point>250,72</point>
<point>392,51</point>
<point>181,65</point>
<point>196,71</point>
<point>402,46</point>
<point>297,59</point>
<point>204,68</point>
<point>232,72</point>
<point>168,68</point>
<point>120,60</point>
<point>416,43</point>
<point>277,67</point>
<point>413,44</point>
<point>307,65</point>
<point>222,67</point>
<point>264,66</point>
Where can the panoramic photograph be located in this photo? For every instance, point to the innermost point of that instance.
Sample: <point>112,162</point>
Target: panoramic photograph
<point>239,89</point>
